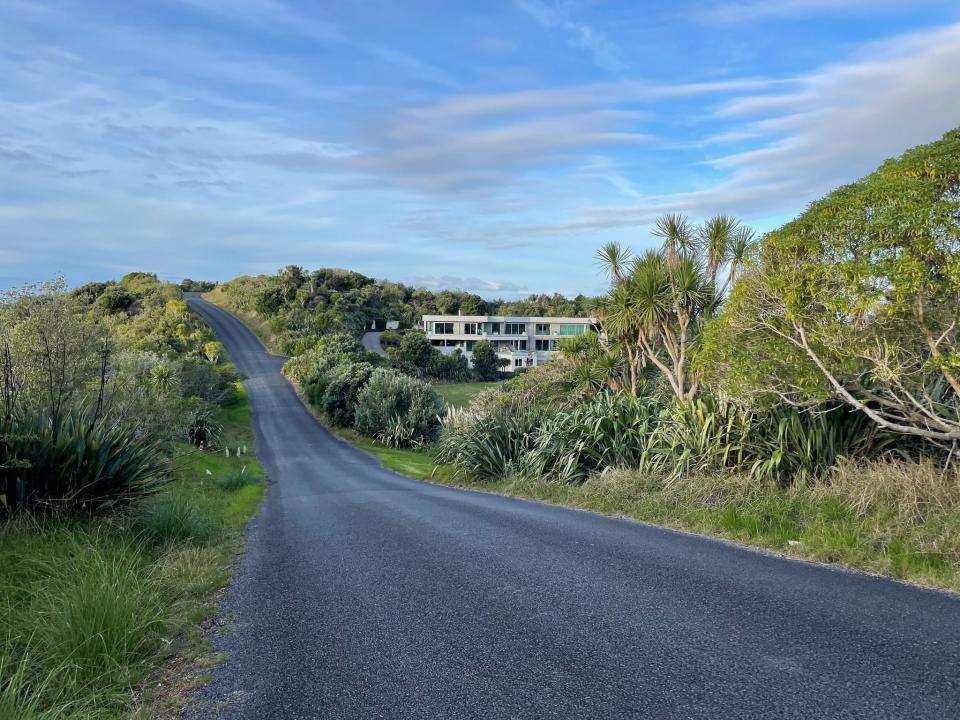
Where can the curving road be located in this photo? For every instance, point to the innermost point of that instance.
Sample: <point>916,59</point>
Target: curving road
<point>371,341</point>
<point>364,594</point>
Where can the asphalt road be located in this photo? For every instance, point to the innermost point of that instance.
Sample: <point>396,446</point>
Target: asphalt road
<point>371,341</point>
<point>364,594</point>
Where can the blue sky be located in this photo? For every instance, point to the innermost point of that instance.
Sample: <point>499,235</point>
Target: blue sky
<point>485,146</point>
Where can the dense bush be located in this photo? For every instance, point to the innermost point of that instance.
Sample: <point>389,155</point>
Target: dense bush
<point>301,304</point>
<point>327,353</point>
<point>417,357</point>
<point>491,445</point>
<point>342,391</point>
<point>669,439</point>
<point>486,364</point>
<point>391,399</point>
<point>204,431</point>
<point>78,465</point>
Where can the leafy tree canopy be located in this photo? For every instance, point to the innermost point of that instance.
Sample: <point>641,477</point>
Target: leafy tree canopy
<point>859,299</point>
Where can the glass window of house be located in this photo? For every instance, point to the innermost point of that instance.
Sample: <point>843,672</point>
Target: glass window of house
<point>543,329</point>
<point>444,328</point>
<point>469,328</point>
<point>573,329</point>
<point>516,328</point>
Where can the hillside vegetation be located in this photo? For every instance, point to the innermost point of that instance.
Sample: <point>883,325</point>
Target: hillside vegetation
<point>813,409</point>
<point>125,482</point>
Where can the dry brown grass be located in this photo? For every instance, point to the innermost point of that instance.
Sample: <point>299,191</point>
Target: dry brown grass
<point>911,489</point>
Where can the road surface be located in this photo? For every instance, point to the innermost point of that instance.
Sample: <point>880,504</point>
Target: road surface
<point>365,594</point>
<point>371,341</point>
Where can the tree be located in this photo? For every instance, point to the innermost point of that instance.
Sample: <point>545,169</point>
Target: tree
<point>858,299</point>
<point>658,301</point>
<point>485,361</point>
<point>414,356</point>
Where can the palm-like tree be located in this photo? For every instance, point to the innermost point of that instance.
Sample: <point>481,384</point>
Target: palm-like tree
<point>657,301</point>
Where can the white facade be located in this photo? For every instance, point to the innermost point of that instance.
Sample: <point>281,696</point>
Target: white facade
<point>523,340</point>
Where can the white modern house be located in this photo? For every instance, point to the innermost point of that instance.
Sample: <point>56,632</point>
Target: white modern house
<point>524,341</point>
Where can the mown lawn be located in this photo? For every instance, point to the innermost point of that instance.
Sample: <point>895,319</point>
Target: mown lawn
<point>104,618</point>
<point>460,394</point>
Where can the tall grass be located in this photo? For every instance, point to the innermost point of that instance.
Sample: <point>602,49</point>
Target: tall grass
<point>174,517</point>
<point>84,613</point>
<point>22,698</point>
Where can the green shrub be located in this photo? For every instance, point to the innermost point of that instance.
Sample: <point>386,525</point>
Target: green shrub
<point>486,364</point>
<point>234,479</point>
<point>85,467</point>
<point>214,384</point>
<point>611,430</point>
<point>453,367</point>
<point>204,431</point>
<point>491,446</point>
<point>340,397</point>
<point>173,518</point>
<point>390,395</point>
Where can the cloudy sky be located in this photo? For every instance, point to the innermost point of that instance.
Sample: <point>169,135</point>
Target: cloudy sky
<point>485,146</point>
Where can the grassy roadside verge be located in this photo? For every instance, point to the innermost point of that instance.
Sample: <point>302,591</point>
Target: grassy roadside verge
<point>916,544</point>
<point>416,463</point>
<point>859,522</point>
<point>105,618</point>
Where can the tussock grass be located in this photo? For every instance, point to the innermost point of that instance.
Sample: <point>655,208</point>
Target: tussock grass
<point>176,518</point>
<point>234,479</point>
<point>91,609</point>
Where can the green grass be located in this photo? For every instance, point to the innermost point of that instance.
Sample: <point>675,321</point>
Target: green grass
<point>810,523</point>
<point>460,394</point>
<point>415,462</point>
<point>94,616</point>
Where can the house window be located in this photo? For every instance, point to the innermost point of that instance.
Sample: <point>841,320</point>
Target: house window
<point>469,328</point>
<point>543,329</point>
<point>569,330</point>
<point>543,345</point>
<point>443,328</point>
<point>494,328</point>
<point>516,329</point>
<point>519,344</point>
<point>518,362</point>
<point>429,326</point>
<point>437,343</point>
<point>470,344</point>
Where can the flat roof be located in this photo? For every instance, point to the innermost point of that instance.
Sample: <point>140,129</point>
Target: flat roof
<point>508,318</point>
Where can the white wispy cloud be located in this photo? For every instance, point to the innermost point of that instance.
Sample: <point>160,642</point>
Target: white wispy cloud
<point>730,11</point>
<point>560,16</point>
